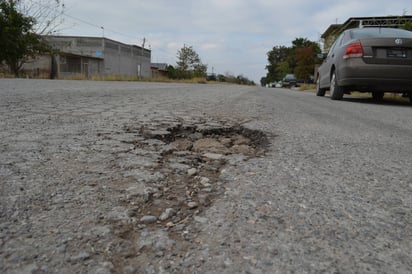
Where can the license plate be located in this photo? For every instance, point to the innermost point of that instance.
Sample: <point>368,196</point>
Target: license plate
<point>396,53</point>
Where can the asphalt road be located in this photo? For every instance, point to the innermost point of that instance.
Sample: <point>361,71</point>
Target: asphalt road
<point>333,192</point>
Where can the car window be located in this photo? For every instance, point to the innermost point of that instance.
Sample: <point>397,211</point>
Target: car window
<point>345,37</point>
<point>380,32</point>
<point>290,77</point>
<point>337,43</point>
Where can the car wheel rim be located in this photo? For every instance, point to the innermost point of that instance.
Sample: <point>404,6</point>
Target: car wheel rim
<point>332,84</point>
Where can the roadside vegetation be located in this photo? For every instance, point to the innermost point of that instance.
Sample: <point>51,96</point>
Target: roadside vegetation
<point>195,80</point>
<point>189,67</point>
<point>22,24</point>
<point>388,97</point>
<point>299,59</point>
<point>18,41</point>
<point>307,87</point>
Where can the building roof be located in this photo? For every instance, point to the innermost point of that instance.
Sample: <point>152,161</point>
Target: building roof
<point>96,47</point>
<point>61,37</point>
<point>360,22</point>
<point>331,29</point>
<point>159,66</point>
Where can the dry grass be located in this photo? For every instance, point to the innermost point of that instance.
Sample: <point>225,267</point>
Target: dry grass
<point>82,77</point>
<point>307,87</point>
<point>6,75</point>
<point>135,79</point>
<point>394,97</point>
<point>389,97</point>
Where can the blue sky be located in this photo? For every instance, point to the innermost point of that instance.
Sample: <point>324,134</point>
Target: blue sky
<point>230,36</point>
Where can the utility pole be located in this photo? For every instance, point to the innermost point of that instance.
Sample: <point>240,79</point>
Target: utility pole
<point>141,58</point>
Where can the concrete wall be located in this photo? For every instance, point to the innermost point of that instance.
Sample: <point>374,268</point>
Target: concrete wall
<point>39,67</point>
<point>101,56</point>
<point>69,65</point>
<point>121,59</point>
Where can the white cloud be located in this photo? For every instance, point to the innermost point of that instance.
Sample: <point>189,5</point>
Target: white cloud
<point>209,46</point>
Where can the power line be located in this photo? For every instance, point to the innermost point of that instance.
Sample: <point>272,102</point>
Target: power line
<point>170,55</point>
<point>96,26</point>
<point>81,20</point>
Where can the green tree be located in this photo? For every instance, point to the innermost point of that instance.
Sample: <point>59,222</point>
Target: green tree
<point>283,68</point>
<point>189,64</point>
<point>18,42</point>
<point>276,57</point>
<point>299,59</point>
<point>305,63</point>
<point>408,26</point>
<point>304,43</point>
<point>171,72</point>
<point>263,81</point>
<point>305,52</point>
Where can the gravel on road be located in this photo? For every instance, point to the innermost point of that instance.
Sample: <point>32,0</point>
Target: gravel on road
<point>126,177</point>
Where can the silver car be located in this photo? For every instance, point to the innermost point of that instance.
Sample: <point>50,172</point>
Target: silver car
<point>375,60</point>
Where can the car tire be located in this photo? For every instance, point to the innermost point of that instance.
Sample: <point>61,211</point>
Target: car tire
<point>336,91</point>
<point>319,91</point>
<point>410,98</point>
<point>378,95</point>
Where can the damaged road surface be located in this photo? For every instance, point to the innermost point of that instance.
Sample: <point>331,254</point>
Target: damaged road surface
<point>106,177</point>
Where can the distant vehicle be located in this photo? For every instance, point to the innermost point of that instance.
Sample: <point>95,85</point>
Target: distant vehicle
<point>376,60</point>
<point>289,81</point>
<point>276,84</point>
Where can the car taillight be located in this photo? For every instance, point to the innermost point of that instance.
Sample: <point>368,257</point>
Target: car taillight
<point>354,50</point>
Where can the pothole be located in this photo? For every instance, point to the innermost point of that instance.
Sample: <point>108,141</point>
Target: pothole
<point>186,178</point>
<point>218,140</point>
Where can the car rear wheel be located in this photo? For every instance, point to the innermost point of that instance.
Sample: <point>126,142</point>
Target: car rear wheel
<point>319,91</point>
<point>336,91</point>
<point>410,97</point>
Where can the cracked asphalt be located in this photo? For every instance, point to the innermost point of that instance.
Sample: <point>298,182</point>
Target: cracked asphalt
<point>126,177</point>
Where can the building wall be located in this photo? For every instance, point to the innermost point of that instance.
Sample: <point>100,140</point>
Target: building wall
<point>328,42</point>
<point>334,30</point>
<point>159,70</point>
<point>100,56</point>
<point>127,60</point>
<point>68,65</point>
<point>39,67</point>
<point>84,46</point>
<point>120,60</point>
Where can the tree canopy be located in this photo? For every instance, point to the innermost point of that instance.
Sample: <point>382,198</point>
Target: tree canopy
<point>47,14</point>
<point>20,33</point>
<point>189,64</point>
<point>18,42</point>
<point>408,26</point>
<point>299,59</point>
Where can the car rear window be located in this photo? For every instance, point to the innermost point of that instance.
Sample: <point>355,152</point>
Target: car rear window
<point>380,32</point>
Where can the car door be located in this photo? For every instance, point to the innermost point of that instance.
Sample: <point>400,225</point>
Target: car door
<point>325,68</point>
